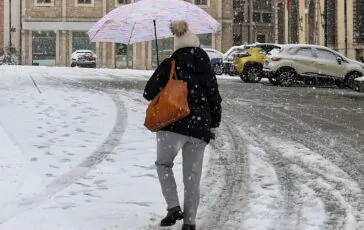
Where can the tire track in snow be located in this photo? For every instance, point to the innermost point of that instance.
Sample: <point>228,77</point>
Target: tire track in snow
<point>225,212</point>
<point>67,179</point>
<point>290,205</point>
<point>338,206</point>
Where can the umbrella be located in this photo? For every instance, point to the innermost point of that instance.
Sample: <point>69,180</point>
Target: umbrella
<point>148,20</point>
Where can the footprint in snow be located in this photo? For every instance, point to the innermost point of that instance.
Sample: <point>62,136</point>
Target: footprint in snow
<point>65,160</point>
<point>79,130</point>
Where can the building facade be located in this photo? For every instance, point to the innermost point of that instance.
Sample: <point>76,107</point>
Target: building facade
<point>54,29</point>
<point>338,24</point>
<point>254,21</point>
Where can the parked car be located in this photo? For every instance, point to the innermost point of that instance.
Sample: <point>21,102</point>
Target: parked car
<point>250,64</point>
<point>229,57</point>
<point>216,58</point>
<point>310,64</point>
<point>83,58</point>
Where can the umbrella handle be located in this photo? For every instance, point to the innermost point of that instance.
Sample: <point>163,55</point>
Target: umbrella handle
<point>156,40</point>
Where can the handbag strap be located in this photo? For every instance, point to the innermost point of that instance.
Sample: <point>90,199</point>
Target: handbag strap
<point>172,74</point>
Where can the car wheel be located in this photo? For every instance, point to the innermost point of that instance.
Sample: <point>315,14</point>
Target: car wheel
<point>218,70</point>
<point>286,77</point>
<point>273,80</point>
<point>349,80</point>
<point>340,83</point>
<point>244,78</point>
<point>253,73</point>
<point>73,65</point>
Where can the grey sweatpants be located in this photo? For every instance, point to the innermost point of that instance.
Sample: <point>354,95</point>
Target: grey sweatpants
<point>168,146</point>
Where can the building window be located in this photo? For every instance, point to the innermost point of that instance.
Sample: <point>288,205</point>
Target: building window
<point>267,18</point>
<point>205,40</point>
<point>256,17</point>
<point>165,48</point>
<point>124,55</point>
<point>86,3</point>
<point>122,2</point>
<point>201,3</point>
<point>81,41</point>
<point>238,6</point>
<point>44,2</point>
<point>260,38</point>
<point>44,47</point>
<point>262,5</point>
<point>259,17</point>
<point>239,17</point>
<point>359,21</point>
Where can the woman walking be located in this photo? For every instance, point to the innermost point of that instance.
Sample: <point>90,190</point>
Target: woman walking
<point>191,134</point>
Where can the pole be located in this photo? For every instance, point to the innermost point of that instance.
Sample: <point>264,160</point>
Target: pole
<point>250,21</point>
<point>325,22</point>
<point>156,40</point>
<point>241,32</point>
<point>20,34</point>
<point>346,26</point>
<point>288,7</point>
<point>10,28</point>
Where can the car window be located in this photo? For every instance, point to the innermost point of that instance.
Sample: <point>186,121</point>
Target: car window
<point>274,51</point>
<point>291,50</point>
<point>304,51</point>
<point>326,54</point>
<point>212,54</point>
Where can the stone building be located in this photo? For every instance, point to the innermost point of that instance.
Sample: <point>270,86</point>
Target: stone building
<point>254,21</point>
<point>54,29</point>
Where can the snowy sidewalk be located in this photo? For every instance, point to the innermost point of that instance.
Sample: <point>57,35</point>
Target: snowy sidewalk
<point>71,168</point>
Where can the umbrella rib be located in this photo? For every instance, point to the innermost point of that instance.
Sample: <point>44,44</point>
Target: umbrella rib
<point>131,34</point>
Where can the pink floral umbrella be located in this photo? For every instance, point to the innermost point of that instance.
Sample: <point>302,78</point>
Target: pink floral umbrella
<point>148,20</point>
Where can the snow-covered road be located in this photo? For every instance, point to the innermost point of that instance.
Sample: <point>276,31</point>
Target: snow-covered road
<point>77,155</point>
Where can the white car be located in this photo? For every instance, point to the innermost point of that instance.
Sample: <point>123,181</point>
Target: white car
<point>83,58</point>
<point>229,57</point>
<point>311,64</point>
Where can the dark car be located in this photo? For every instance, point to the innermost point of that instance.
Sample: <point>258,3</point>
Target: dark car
<point>216,59</point>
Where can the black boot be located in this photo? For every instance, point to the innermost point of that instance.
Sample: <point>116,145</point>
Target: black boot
<point>173,215</point>
<point>188,227</point>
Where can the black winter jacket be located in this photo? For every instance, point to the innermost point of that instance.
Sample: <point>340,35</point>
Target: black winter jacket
<point>193,66</point>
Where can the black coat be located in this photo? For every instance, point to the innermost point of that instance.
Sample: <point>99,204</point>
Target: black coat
<point>193,66</point>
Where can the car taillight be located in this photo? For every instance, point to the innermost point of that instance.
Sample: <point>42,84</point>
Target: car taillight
<point>275,59</point>
<point>93,59</point>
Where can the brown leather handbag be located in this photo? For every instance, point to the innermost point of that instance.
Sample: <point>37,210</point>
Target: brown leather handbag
<point>170,105</point>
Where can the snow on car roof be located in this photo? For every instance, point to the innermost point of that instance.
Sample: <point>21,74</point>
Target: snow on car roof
<point>83,51</point>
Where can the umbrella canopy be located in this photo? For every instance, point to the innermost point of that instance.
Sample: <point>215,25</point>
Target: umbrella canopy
<point>147,19</point>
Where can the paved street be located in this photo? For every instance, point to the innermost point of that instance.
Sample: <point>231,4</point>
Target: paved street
<point>312,142</point>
